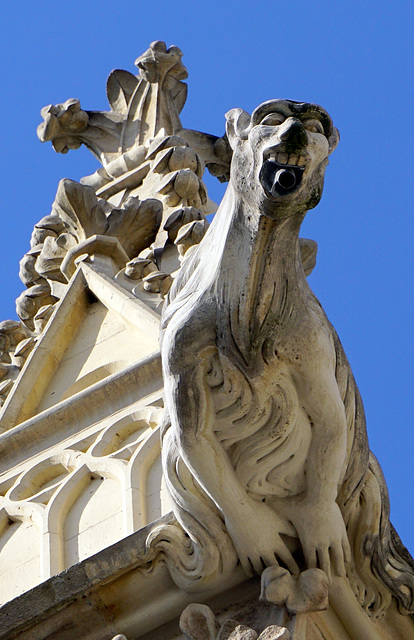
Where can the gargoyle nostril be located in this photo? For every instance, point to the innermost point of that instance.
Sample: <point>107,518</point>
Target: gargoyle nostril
<point>294,133</point>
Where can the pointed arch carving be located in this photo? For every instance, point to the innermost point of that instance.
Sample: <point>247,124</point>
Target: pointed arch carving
<point>73,493</point>
<point>119,435</point>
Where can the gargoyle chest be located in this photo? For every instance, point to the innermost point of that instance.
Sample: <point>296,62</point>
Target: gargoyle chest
<point>261,417</point>
<point>262,425</point>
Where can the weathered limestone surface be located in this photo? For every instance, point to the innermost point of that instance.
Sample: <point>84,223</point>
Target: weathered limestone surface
<point>280,518</point>
<point>267,418</point>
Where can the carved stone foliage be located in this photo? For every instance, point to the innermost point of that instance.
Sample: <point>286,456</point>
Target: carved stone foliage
<point>156,166</point>
<point>15,345</point>
<point>79,224</point>
<point>264,447</point>
<point>144,150</point>
<point>143,107</point>
<point>158,92</point>
<point>63,123</point>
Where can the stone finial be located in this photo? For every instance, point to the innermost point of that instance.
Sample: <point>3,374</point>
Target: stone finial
<point>120,137</point>
<point>158,91</point>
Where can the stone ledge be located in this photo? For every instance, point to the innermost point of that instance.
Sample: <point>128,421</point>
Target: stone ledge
<point>41,607</point>
<point>101,596</point>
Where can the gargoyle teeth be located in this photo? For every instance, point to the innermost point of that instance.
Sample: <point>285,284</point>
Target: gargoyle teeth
<point>289,159</point>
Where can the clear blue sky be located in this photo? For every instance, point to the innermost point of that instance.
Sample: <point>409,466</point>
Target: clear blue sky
<point>354,58</point>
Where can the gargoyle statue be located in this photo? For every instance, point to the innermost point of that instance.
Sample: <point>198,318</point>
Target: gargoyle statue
<point>264,439</point>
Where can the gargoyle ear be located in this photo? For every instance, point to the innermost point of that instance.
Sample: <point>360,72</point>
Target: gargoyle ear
<point>333,139</point>
<point>237,124</point>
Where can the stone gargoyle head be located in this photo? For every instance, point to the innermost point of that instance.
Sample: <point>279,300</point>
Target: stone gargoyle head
<point>280,153</point>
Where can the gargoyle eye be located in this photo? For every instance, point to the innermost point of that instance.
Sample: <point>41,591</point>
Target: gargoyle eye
<point>273,119</point>
<point>313,125</point>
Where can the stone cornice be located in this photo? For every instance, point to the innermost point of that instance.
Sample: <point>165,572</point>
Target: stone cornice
<point>104,398</point>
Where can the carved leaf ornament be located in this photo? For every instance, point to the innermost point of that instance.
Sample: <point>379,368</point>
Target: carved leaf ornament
<point>138,137</point>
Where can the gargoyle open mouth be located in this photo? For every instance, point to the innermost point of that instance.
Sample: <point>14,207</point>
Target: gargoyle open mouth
<point>281,173</point>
